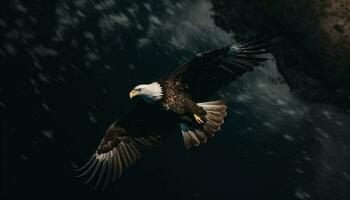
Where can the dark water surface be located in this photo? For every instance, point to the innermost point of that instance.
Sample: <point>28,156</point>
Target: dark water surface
<point>67,67</point>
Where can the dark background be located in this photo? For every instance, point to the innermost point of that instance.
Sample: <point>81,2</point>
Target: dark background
<point>67,68</point>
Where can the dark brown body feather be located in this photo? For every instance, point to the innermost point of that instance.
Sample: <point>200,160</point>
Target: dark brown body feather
<point>177,99</point>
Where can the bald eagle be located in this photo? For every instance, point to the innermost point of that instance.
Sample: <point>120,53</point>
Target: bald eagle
<point>174,103</point>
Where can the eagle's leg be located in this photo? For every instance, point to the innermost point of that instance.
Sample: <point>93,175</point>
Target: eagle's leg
<point>192,108</point>
<point>198,119</point>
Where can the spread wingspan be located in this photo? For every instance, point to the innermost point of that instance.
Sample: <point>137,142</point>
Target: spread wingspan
<point>144,126</point>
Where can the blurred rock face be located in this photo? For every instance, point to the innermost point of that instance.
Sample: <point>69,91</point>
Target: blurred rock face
<point>335,21</point>
<point>315,60</point>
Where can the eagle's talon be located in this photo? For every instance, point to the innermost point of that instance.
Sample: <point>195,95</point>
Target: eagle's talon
<point>198,119</point>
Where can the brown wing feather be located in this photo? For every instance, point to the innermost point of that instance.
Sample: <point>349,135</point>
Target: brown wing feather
<point>115,154</point>
<point>140,130</point>
<point>214,69</point>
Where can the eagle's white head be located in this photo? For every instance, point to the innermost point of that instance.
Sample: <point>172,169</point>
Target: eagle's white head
<point>149,92</point>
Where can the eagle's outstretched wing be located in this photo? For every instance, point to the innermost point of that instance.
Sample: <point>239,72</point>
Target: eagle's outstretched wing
<point>140,130</point>
<point>209,71</point>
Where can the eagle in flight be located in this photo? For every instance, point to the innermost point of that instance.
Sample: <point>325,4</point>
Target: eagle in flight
<point>174,102</point>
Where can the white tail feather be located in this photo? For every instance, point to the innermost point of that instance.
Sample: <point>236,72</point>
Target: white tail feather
<point>214,118</point>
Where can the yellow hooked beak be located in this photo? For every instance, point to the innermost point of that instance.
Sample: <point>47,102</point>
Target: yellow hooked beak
<point>133,93</point>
